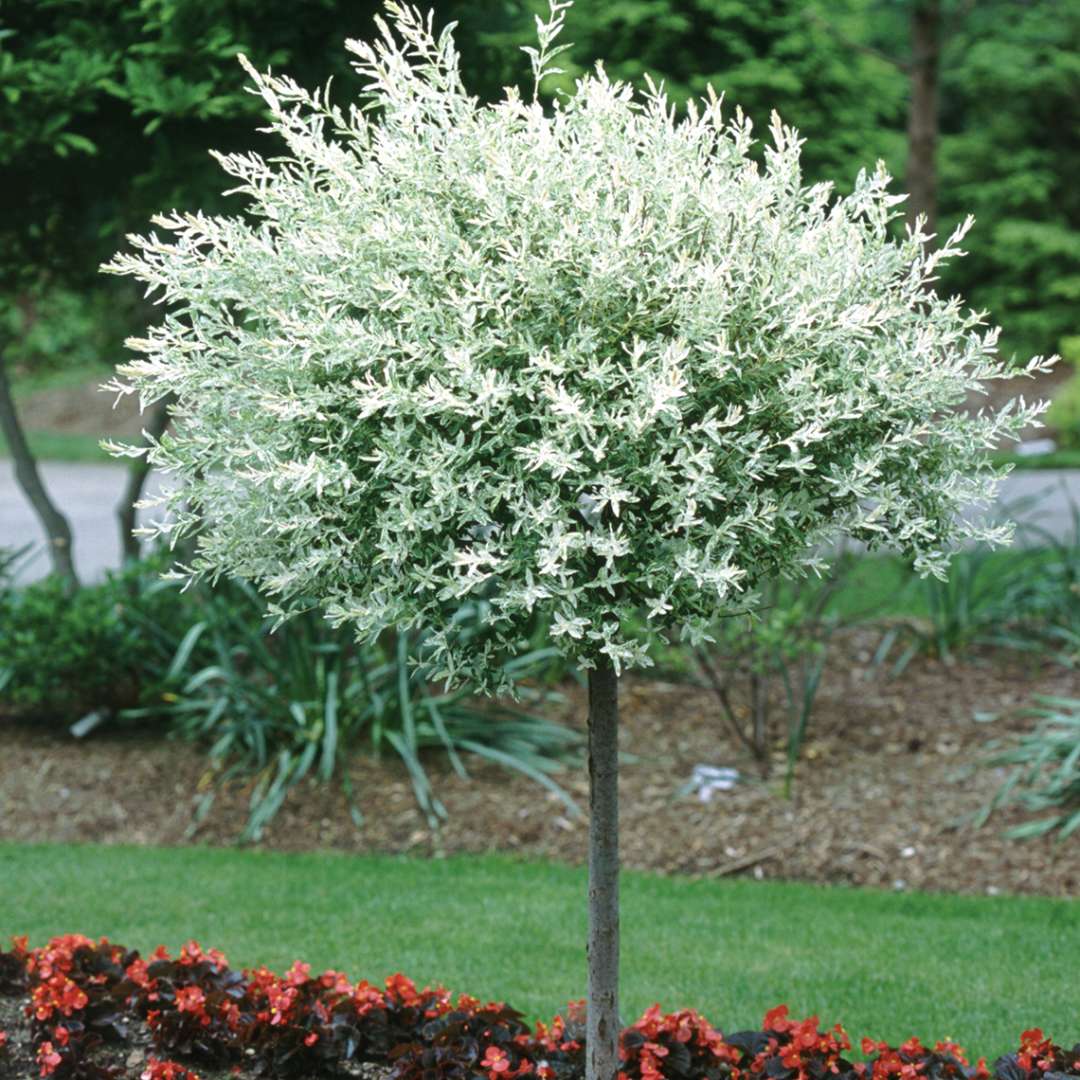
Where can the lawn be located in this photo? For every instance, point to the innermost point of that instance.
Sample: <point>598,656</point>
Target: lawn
<point>889,965</point>
<point>62,446</point>
<point>53,443</point>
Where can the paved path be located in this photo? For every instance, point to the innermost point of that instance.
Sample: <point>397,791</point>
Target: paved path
<point>88,494</point>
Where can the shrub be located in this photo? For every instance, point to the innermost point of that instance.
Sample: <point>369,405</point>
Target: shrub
<point>277,706</point>
<point>1027,600</point>
<point>294,702</point>
<point>1044,766</point>
<point>65,654</point>
<point>777,652</point>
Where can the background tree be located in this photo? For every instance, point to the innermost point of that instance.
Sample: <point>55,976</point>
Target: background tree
<point>589,362</point>
<point>1010,153</point>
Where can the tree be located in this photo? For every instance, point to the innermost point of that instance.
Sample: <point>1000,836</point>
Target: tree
<point>1010,154</point>
<point>589,361</point>
<point>992,97</point>
<point>105,117</point>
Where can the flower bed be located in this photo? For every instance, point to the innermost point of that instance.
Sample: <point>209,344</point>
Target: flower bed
<point>82,1010</point>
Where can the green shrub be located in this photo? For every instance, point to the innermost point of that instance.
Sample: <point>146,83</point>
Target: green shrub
<point>1027,600</point>
<point>272,705</point>
<point>765,667</point>
<point>284,705</point>
<point>65,654</point>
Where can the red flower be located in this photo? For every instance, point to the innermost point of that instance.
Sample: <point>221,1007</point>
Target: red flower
<point>136,972</point>
<point>947,1046</point>
<point>190,999</point>
<point>402,989</point>
<point>231,1015</point>
<point>1035,1049</point>
<point>366,998</point>
<point>48,1058</point>
<point>777,1019</point>
<point>913,1047</point>
<point>336,981</point>
<point>298,974</point>
<point>496,1061</point>
<point>57,994</point>
<point>281,1003</point>
<point>311,1039</point>
<point>166,1070</point>
<point>3,1039</point>
<point>192,954</point>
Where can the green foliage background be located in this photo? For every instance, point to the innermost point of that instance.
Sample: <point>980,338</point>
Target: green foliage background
<point>107,109</point>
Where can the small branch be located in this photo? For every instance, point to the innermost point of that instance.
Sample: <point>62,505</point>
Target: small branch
<point>720,688</point>
<point>746,862</point>
<point>858,46</point>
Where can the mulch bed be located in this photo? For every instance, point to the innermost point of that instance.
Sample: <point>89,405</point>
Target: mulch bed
<point>879,798</point>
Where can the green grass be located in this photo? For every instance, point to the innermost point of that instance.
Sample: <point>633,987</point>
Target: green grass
<point>61,446</point>
<point>979,969</point>
<point>1056,459</point>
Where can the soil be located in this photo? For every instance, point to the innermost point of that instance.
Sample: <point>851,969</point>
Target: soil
<point>879,799</point>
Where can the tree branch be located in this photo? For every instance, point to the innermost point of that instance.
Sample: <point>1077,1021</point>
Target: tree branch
<point>28,478</point>
<point>859,46</point>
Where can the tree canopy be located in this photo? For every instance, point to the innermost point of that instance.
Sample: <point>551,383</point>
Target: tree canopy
<point>591,359</point>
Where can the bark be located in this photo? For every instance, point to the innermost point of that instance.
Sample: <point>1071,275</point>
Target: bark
<point>922,128</point>
<point>29,479</point>
<point>602,1032</point>
<point>140,470</point>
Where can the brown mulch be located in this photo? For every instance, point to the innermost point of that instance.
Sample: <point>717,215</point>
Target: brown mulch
<point>879,798</point>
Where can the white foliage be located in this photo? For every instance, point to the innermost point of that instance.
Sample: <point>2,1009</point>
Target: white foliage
<point>590,360</point>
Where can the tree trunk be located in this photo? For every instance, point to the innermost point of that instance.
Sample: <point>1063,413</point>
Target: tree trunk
<point>26,475</point>
<point>602,1031</point>
<point>922,128</point>
<point>140,470</point>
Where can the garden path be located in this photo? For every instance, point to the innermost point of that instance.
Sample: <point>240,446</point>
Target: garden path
<point>89,493</point>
